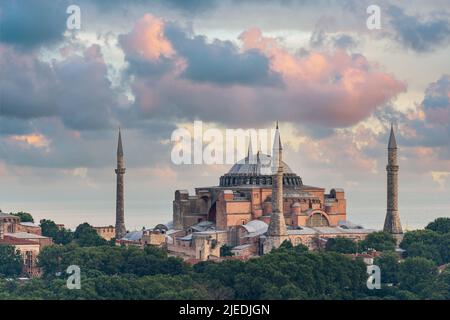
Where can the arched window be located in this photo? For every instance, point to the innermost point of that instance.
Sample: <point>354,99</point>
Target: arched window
<point>318,220</point>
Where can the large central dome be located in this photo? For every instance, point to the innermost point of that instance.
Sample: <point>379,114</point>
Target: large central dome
<point>257,171</point>
<point>263,166</point>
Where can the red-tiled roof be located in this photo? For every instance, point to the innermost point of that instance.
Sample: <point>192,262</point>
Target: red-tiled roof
<point>15,241</point>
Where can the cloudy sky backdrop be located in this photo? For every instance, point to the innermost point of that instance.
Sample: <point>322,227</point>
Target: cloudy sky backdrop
<point>153,66</point>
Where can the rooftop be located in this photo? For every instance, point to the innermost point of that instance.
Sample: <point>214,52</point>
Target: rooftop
<point>8,240</point>
<point>25,235</point>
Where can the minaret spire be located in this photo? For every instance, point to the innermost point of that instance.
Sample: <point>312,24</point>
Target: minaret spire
<point>276,150</point>
<point>392,222</point>
<point>392,141</point>
<point>249,158</point>
<point>119,145</point>
<point>120,172</point>
<point>277,232</point>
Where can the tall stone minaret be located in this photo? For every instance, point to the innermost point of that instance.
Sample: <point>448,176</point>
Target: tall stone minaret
<point>120,171</point>
<point>392,222</point>
<point>277,232</point>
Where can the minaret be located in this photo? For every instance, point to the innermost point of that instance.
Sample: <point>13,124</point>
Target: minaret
<point>277,232</point>
<point>120,171</point>
<point>276,150</point>
<point>392,222</point>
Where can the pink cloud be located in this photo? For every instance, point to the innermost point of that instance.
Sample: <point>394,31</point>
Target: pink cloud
<point>147,39</point>
<point>332,89</point>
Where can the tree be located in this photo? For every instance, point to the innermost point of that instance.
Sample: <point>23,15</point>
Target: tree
<point>10,261</point>
<point>48,228</point>
<point>428,244</point>
<point>24,216</point>
<point>225,251</point>
<point>86,236</point>
<point>389,267</point>
<point>440,225</point>
<point>59,235</point>
<point>341,245</point>
<point>380,241</point>
<point>415,273</point>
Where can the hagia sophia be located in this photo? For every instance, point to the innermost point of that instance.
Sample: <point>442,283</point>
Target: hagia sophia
<point>256,206</point>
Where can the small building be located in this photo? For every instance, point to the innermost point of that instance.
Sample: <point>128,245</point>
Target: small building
<point>107,233</point>
<point>146,237</point>
<point>29,251</point>
<point>29,227</point>
<point>40,240</point>
<point>9,222</point>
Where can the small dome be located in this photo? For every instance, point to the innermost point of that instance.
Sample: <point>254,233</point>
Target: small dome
<point>256,227</point>
<point>296,205</point>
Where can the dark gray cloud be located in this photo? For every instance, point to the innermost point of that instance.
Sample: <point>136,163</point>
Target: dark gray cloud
<point>31,23</point>
<point>15,126</point>
<point>418,33</point>
<point>434,129</point>
<point>76,89</point>
<point>220,61</point>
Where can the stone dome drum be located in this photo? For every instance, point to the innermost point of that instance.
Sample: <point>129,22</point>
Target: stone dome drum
<point>257,171</point>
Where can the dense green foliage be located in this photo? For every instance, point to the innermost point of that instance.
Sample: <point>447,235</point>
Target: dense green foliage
<point>24,216</point>
<point>379,241</point>
<point>290,272</point>
<point>341,245</point>
<point>86,236</point>
<point>440,225</point>
<point>59,235</point>
<point>225,251</point>
<point>428,244</point>
<point>109,260</point>
<point>10,261</point>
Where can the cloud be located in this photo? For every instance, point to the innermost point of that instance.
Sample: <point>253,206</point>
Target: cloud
<point>28,24</point>
<point>155,46</point>
<point>147,39</point>
<point>330,89</point>
<point>33,140</point>
<point>421,34</point>
<point>75,89</point>
<point>441,178</point>
<point>219,61</point>
<point>429,125</point>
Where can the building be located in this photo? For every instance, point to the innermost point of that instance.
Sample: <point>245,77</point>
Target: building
<point>28,248</point>
<point>29,251</point>
<point>106,233</point>
<point>26,238</point>
<point>9,222</point>
<point>145,237</point>
<point>259,203</point>
<point>29,227</point>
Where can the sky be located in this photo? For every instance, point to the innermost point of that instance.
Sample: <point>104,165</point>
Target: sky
<point>151,67</point>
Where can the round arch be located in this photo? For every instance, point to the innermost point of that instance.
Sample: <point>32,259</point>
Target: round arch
<point>318,218</point>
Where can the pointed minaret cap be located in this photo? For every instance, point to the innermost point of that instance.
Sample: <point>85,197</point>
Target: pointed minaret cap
<point>119,145</point>
<point>277,139</point>
<point>249,151</point>
<point>392,141</point>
